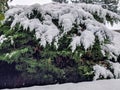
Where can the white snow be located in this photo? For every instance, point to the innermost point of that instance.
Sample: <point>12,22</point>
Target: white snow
<point>114,46</point>
<point>101,72</point>
<point>28,2</point>
<point>87,39</point>
<point>2,39</point>
<point>115,26</point>
<point>75,42</point>
<point>95,85</point>
<point>116,69</point>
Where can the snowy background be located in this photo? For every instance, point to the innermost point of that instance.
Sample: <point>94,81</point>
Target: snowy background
<point>28,2</point>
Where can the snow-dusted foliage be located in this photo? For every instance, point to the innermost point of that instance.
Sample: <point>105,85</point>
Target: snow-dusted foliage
<point>72,38</point>
<point>53,21</point>
<point>102,72</point>
<point>2,39</point>
<point>116,69</point>
<point>114,46</point>
<point>87,38</point>
<point>112,72</point>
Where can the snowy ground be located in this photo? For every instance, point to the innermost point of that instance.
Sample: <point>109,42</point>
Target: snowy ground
<point>95,85</point>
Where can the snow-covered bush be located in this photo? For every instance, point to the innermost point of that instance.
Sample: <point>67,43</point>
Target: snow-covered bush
<point>116,69</point>
<point>110,71</point>
<point>33,34</point>
<point>102,72</point>
<point>78,24</point>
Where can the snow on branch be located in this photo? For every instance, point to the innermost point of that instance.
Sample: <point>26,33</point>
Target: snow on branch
<point>52,21</point>
<point>101,72</point>
<point>116,69</point>
<point>2,39</point>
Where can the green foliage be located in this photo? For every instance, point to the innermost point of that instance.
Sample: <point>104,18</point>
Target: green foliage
<point>98,18</point>
<point>2,16</point>
<point>18,47</point>
<point>43,71</point>
<point>47,64</point>
<point>85,70</point>
<point>95,53</point>
<point>4,5</point>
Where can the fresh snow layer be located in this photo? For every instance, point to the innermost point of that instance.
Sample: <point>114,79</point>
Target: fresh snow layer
<point>95,85</point>
<point>67,15</point>
<point>28,2</point>
<point>2,39</point>
<point>116,69</point>
<point>114,46</point>
<point>102,71</point>
<point>115,26</point>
